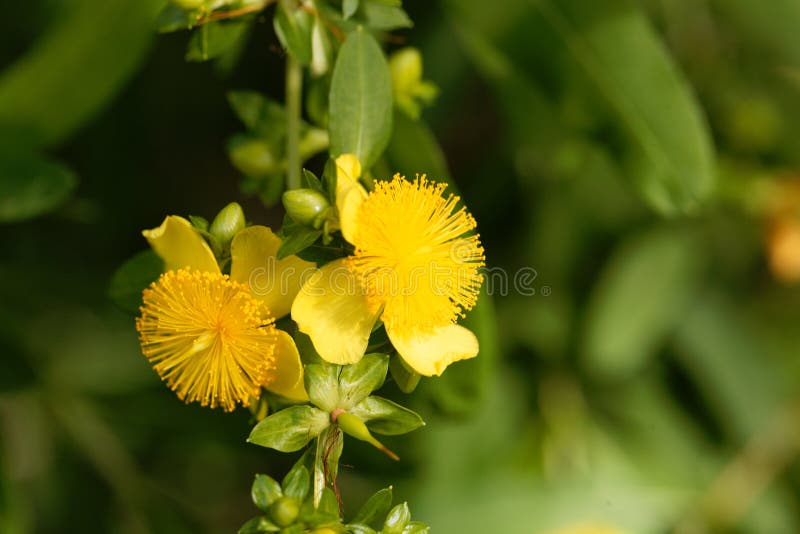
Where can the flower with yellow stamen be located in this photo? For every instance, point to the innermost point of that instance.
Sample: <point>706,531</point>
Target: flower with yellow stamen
<point>210,336</point>
<point>415,266</point>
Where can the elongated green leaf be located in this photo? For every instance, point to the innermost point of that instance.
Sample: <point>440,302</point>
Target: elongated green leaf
<point>322,385</point>
<point>258,525</point>
<point>727,360</point>
<point>293,28</point>
<point>638,299</point>
<point>375,509</point>
<point>349,7</point>
<point>31,186</point>
<point>383,416</point>
<point>360,100</point>
<point>358,380</point>
<point>385,17</point>
<point>173,18</point>
<point>290,429</point>
<point>405,377</point>
<point>265,491</point>
<point>296,482</point>
<point>673,167</point>
<point>249,107</point>
<point>326,463</point>
<point>76,67</point>
<point>132,277</point>
<point>773,23</point>
<point>212,40</point>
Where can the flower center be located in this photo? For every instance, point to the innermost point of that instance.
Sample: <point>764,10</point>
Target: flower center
<point>413,256</point>
<point>207,337</point>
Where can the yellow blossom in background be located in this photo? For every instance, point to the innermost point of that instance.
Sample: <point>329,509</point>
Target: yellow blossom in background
<point>415,267</point>
<point>210,336</point>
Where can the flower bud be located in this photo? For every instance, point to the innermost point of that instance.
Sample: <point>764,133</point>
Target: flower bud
<point>284,511</point>
<point>355,427</point>
<point>187,5</point>
<point>227,223</point>
<point>254,157</point>
<point>405,67</point>
<point>306,206</point>
<point>410,90</point>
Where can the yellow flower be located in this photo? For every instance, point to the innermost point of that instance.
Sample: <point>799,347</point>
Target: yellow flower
<point>415,267</point>
<point>211,336</point>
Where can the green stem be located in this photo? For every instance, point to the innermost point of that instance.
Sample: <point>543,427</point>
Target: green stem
<point>294,90</point>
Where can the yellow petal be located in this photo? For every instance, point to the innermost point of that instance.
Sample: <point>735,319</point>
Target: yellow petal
<point>348,164</point>
<point>333,311</point>
<point>287,378</point>
<point>349,193</point>
<point>179,245</point>
<point>254,262</point>
<point>429,352</point>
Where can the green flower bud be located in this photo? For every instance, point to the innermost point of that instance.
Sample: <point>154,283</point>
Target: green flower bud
<point>355,427</point>
<point>284,511</point>
<point>187,5</point>
<point>405,67</point>
<point>397,519</point>
<point>227,223</point>
<point>306,206</point>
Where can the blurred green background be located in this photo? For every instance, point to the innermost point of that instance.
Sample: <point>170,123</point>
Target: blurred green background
<point>641,157</point>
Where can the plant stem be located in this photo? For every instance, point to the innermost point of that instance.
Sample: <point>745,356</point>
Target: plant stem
<point>294,90</point>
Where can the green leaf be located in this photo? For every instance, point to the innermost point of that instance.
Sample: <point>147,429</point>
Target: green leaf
<point>774,23</point>
<point>375,509</point>
<point>311,181</point>
<point>31,186</point>
<point>173,18</point>
<point>326,464</point>
<point>265,491</point>
<point>248,107</point>
<point>639,298</point>
<point>397,519</point>
<point>416,527</point>
<point>328,505</point>
<point>358,380</point>
<point>386,18</point>
<point>296,482</point>
<point>76,67</point>
<point>298,240</point>
<point>293,28</point>
<point>355,528</point>
<point>383,416</point>
<point>322,384</point>
<point>201,223</point>
<point>214,39</point>
<point>257,525</point>
<point>360,100</point>
<point>620,52</point>
<point>349,7</point>
<point>725,357</point>
<point>405,378</point>
<point>290,429</point>
<point>255,157</point>
<point>132,277</point>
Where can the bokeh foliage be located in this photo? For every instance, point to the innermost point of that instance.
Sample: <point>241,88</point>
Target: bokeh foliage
<point>632,153</point>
